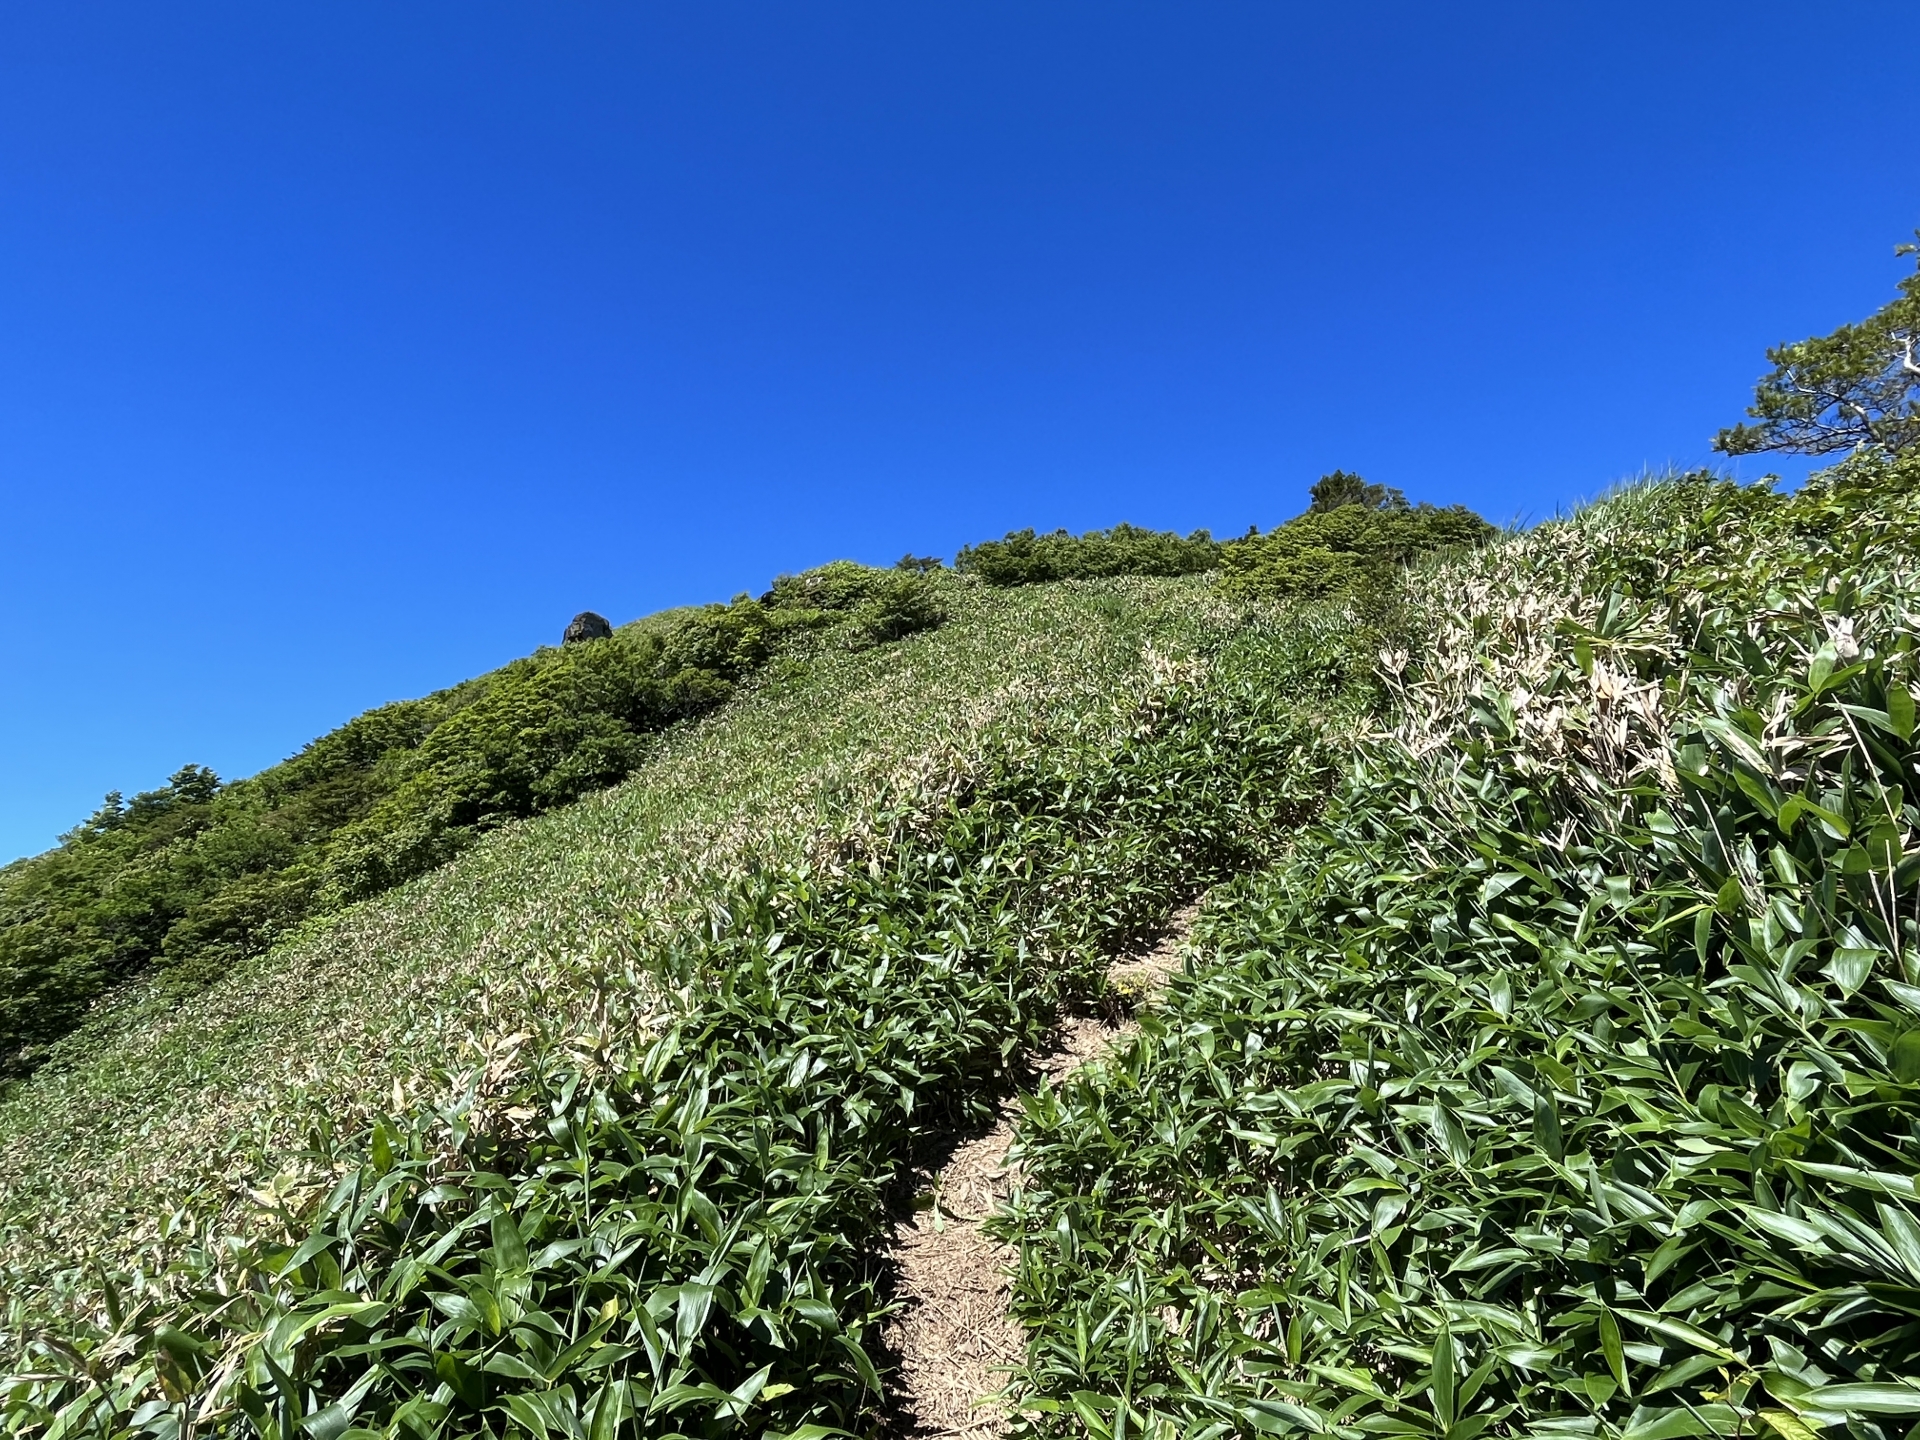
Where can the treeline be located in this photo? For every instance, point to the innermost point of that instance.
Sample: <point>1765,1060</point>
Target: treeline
<point>1353,536</point>
<point>193,876</point>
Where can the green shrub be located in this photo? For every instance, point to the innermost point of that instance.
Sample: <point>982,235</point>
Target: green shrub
<point>1352,547</point>
<point>838,585</point>
<point>901,606</point>
<point>1025,558</point>
<point>884,604</point>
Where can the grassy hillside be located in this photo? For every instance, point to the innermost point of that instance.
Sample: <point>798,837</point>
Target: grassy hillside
<point>1548,1064</point>
<point>160,1104</point>
<point>657,1198</point>
<point>1565,1078</point>
<point>185,881</point>
<point>182,883</point>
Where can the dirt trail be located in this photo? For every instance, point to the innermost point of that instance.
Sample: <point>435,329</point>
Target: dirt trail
<point>953,1336</point>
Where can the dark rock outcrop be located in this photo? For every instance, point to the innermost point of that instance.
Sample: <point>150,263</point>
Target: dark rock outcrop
<point>586,626</point>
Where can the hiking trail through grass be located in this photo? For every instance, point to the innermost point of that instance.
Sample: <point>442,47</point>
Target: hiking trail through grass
<point>953,1338</point>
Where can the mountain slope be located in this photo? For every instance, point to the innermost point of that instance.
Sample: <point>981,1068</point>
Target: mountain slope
<point>160,1104</point>
<point>1547,1065</point>
<point>1565,1079</point>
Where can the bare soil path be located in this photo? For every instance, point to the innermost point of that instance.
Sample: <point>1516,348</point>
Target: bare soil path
<point>952,1335</point>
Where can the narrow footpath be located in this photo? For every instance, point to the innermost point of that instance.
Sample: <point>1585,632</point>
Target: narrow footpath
<point>953,1335</point>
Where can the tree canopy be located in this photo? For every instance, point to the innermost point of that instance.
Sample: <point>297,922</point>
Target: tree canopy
<point>1858,386</point>
<point>1331,492</point>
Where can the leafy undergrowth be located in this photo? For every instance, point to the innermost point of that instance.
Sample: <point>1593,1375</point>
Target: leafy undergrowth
<point>1563,1079</point>
<point>656,1210</point>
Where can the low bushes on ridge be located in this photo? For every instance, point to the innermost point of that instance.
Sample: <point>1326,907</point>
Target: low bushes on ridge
<point>1027,558</point>
<point>1353,538</point>
<point>1357,545</point>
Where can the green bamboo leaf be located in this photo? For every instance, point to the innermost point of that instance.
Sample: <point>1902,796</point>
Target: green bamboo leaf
<point>1453,1139</point>
<point>1880,1182</point>
<point>1904,1059</point>
<point>1668,1424</point>
<point>509,1250</point>
<point>1787,1425</point>
<point>1820,667</point>
<point>1611,1348</point>
<point>1902,1234</point>
<point>1849,968</point>
<point>1546,1127</point>
<point>606,1411</point>
<point>1441,1379</point>
<point>1885,1399</point>
<point>462,1378</point>
<point>529,1416</point>
<point>1790,1228</point>
<point>1679,1330</point>
<point>1900,709</point>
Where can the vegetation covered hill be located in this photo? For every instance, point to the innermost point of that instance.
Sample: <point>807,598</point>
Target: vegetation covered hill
<point>981,809</point>
<point>192,877</point>
<point>166,1101</point>
<point>1548,1063</point>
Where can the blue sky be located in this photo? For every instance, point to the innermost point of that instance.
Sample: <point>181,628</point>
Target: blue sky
<point>348,350</point>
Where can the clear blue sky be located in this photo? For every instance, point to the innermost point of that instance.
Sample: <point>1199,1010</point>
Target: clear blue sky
<point>347,350</point>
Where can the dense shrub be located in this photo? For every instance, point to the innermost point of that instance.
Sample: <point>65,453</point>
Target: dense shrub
<point>1351,539</point>
<point>838,585</point>
<point>884,604</point>
<point>193,876</point>
<point>897,608</point>
<point>1024,558</point>
<point>1348,547</point>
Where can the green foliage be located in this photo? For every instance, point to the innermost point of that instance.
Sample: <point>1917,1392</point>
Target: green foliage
<point>1858,386</point>
<point>1342,487</point>
<point>838,585</point>
<point>883,604</point>
<point>1025,558</point>
<point>899,607</point>
<point>1348,546</point>
<point>194,877</point>
<point>671,1225</point>
<point>1563,1080</point>
<point>1559,1078</point>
